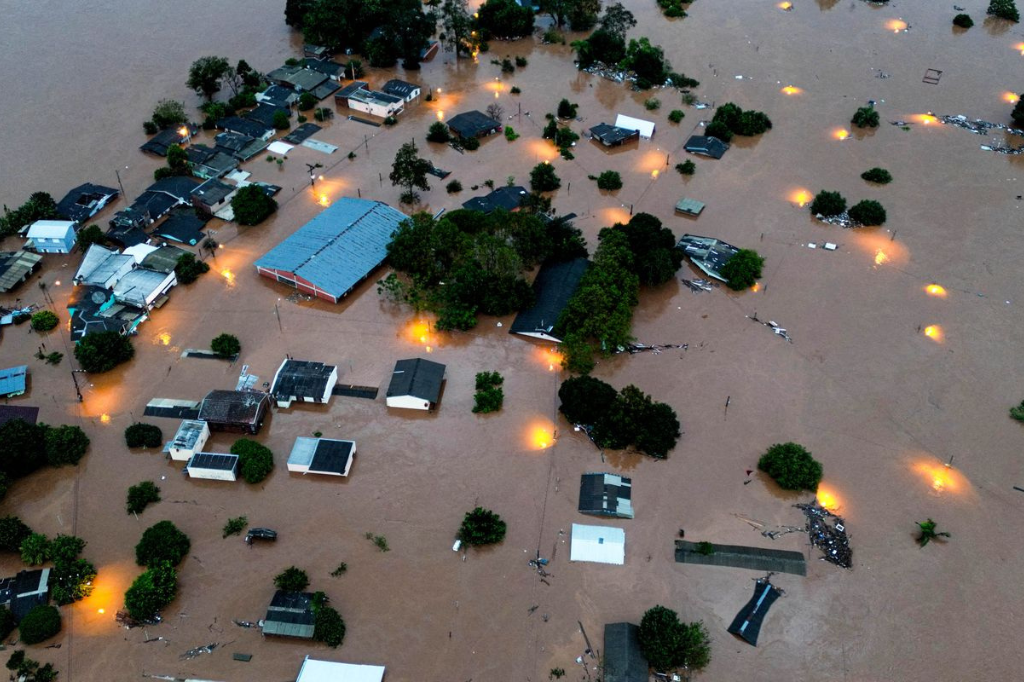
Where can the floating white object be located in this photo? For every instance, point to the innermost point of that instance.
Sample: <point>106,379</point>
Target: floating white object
<point>812,246</point>
<point>829,246</point>
<point>455,547</point>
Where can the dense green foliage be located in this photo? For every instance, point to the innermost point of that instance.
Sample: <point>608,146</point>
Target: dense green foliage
<point>252,205</point>
<point>743,269</point>
<point>64,444</point>
<point>438,132</point>
<point>740,122</point>
<point>100,352</point>
<point>226,345</point>
<point>168,113</point>
<point>71,578</point>
<point>719,130</point>
<point>543,178</point>
<point>655,256</point>
<point>828,203</point>
<point>207,74</point>
<point>647,61</point>
<point>1018,111</point>
<point>177,164</point>
<point>39,624</point>
<point>584,398</point>
<point>609,180</point>
<point>865,117</point>
<point>676,115</point>
<point>566,109</point>
<point>581,14</point>
<point>608,43</point>
<point>188,269</point>
<point>141,435</point>
<point>672,8</point>
<point>489,394</point>
<point>25,669</point>
<point>255,461</point>
<point>963,21</point>
<point>504,20</point>
<point>1017,413</point>
<point>482,527</point>
<point>22,448</point>
<point>40,206</point>
<point>152,591</point>
<point>88,236</point>
<point>928,532</point>
<point>792,467</point>
<point>668,644</point>
<point>877,175</point>
<point>292,579</point>
<point>35,549</point>
<point>1004,9</point>
<point>687,167</point>
<point>162,542</point>
<point>13,532</point>
<point>453,187</point>
<point>44,321</point>
<point>409,170</point>
<point>328,626</point>
<point>234,526</point>
<point>141,496</point>
<point>868,212</point>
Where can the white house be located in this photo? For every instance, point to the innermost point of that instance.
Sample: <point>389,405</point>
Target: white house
<point>51,236</point>
<point>322,456</point>
<point>143,288</point>
<point>600,544</point>
<point>313,670</point>
<point>399,88</point>
<point>214,466</point>
<point>358,97</point>
<point>415,384</point>
<point>103,267</point>
<point>303,380</point>
<point>189,440</point>
<point>645,128</point>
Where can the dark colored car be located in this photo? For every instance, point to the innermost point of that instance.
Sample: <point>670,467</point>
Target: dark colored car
<point>260,534</point>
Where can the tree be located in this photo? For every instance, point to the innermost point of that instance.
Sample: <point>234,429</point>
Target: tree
<point>601,46</point>
<point>169,113</point>
<point>40,206</point>
<point>792,467</point>
<point>438,132</point>
<point>206,75</point>
<point>495,112</point>
<point>577,354</point>
<point>718,130</point>
<point>141,435</point>
<point>234,526</point>
<point>328,626</point>
<point>255,461</point>
<point>583,14</point>
<point>1017,413</point>
<point>410,171</point>
<point>647,61</point>
<point>64,444</point>
<point>188,269</point>
<point>1018,111</point>
<point>617,20</point>
<point>868,212</point>
<point>655,256</point>
<point>307,101</point>
<point>668,644</point>
<point>635,419</point>
<point>162,542</point>
<point>44,321</point>
<point>71,581</point>
<point>865,117</point>
<point>226,346</point>
<point>482,527</point>
<point>609,180</point>
<point>659,430</point>
<point>457,25</point>
<point>100,352</point>
<point>22,448</point>
<point>877,175</point>
<point>742,270</point>
<point>828,204</point>
<point>88,236</point>
<point>39,624</point>
<point>676,115</point>
<point>8,622</point>
<point>543,178</point>
<point>64,548</point>
<point>687,167</point>
<point>489,395</point>
<point>928,532</point>
<point>585,400</point>
<point>747,123</point>
<point>152,591</point>
<point>141,496</point>
<point>295,12</point>
<point>252,205</point>
<point>505,19</point>
<point>1004,9</point>
<point>291,579</point>
<point>13,532</point>
<point>35,549</point>
<point>963,21</point>
<point>566,109</point>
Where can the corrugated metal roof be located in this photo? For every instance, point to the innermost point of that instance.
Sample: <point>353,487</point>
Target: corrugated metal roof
<point>417,377</point>
<point>600,544</point>
<point>12,380</point>
<point>15,267</point>
<point>50,229</point>
<point>100,264</point>
<point>554,286</point>
<point>339,247</point>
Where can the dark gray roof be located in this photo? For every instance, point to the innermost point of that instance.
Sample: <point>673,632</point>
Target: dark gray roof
<point>747,623</point>
<point>24,591</point>
<point>623,660</point>
<point>327,67</point>
<point>233,407</point>
<point>554,286</point>
<point>154,204</point>
<point>707,253</point>
<point>606,495</point>
<point>181,226</point>
<point>244,126</point>
<point>92,310</point>
<point>212,192</point>
<point>417,377</point>
<point>473,124</point>
<point>15,268</point>
<point>290,615</point>
<point>508,198</point>
<point>213,460</point>
<point>25,413</point>
<point>611,135</point>
<point>213,161</point>
<point>278,96</point>
<point>339,247</point>
<point>331,455</point>
<point>736,556</point>
<point>706,146</point>
<point>302,378</point>
<point>232,142</point>
<point>177,186</point>
<point>162,141</point>
<point>301,133</point>
<point>347,91</point>
<point>84,201</point>
<point>164,258</point>
<point>126,235</point>
<point>325,89</point>
<point>264,114</point>
<point>399,88</point>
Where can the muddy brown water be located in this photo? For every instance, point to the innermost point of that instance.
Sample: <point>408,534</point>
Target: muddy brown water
<point>879,403</point>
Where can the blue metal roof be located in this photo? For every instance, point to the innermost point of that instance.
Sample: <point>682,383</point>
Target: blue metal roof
<point>338,248</point>
<point>12,380</point>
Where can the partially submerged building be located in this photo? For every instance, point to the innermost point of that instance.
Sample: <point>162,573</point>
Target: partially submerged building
<point>85,201</point>
<point>326,456</point>
<point>207,162</point>
<point>705,145</point>
<point>747,623</point>
<point>473,124</point>
<point>188,441</point>
<point>144,288</point>
<point>328,256</point>
<point>94,309</point>
<point>358,97</point>
<point>182,226</point>
<point>13,381</point>
<point>328,671</point>
<point>213,466</point>
<point>403,89</point>
<point>598,544</point>
<point>304,381</point>
<point>623,659</point>
<point>16,267</point>
<point>165,139</point>
<point>644,128</point>
<point>103,267</point>
<point>244,127</point>
<point>416,384</point>
<point>212,196</point>
<point>51,236</point>
<point>290,615</point>
<point>606,495</point>
<point>613,136</point>
<point>707,253</point>
<point>690,207</point>
<point>508,198</point>
<point>234,410</point>
<point>25,591</point>
<point>554,286</point>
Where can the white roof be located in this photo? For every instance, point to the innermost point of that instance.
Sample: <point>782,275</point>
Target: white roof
<point>140,251</point>
<point>50,229</point>
<point>601,544</point>
<point>646,128</point>
<point>100,264</point>
<point>328,671</point>
<point>278,147</point>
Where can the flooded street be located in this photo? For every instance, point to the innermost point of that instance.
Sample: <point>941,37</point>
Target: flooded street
<point>881,404</point>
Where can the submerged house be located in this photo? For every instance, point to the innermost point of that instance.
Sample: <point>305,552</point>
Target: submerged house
<point>212,196</point>
<point>13,381</point>
<point>234,410</point>
<point>327,456</point>
<point>598,544</point>
<point>16,267</point>
<point>245,127</point>
<point>213,466</point>
<point>165,139</point>
<point>707,253</point>
<point>144,288</point>
<point>207,162</point>
<point>509,198</point>
<point>555,285</point>
<point>644,128</point>
<point>416,384</point>
<point>103,267</point>
<point>25,591</point>
<point>613,136</point>
<point>623,659</point>
<point>303,380</point>
<point>182,226</point>
<point>94,309</point>
<point>188,441</point>
<point>399,88</point>
<point>704,145</point>
<point>52,236</point>
<point>606,495</point>
<point>359,97</point>
<point>85,201</point>
<point>313,670</point>
<point>290,615</point>
<point>473,124</point>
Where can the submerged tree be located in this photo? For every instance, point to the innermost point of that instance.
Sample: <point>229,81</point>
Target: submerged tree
<point>410,171</point>
<point>206,75</point>
<point>928,532</point>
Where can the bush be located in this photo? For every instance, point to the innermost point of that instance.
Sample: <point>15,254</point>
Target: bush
<point>585,400</point>
<point>453,187</point>
<point>719,130</point>
<point>281,121</point>
<point>65,548</point>
<point>470,144</point>
<point>506,65</point>
<point>668,644</point>
<point>151,591</point>
<point>307,101</point>
<point>226,346</point>
<point>482,527</point>
<point>1004,9</point>
<point>655,258</point>
<point>64,444</point>
<point>676,115</point>
<point>141,496</point>
<point>489,395</point>
<point>44,321</point>
<point>71,580</point>
<point>13,532</point>
<point>40,624</point>
<point>740,122</point>
<point>252,206</point>
<point>877,175</point>
<point>328,626</point>
<point>1018,112</point>
<point>791,466</point>
<point>521,62</point>
<point>515,90</point>
<point>235,526</point>
<point>652,104</point>
<point>609,180</point>
<point>141,435</point>
<point>340,570</point>
<point>301,119</point>
<point>868,212</point>
<point>169,113</point>
<point>88,236</point>
<point>1017,413</point>
<point>35,549</point>
<point>162,542</point>
<point>438,132</point>
<point>7,622</point>
<point>292,579</point>
<point>865,117</point>
<point>687,167</point>
<point>963,21</point>
<point>510,134</point>
<point>742,270</point>
<point>188,269</point>
<point>543,178</point>
<point>255,461</point>
<point>100,352</point>
<point>150,128</point>
<point>567,109</point>
<point>828,203</point>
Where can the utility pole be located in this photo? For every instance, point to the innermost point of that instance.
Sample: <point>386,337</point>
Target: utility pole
<point>117,172</point>
<point>312,172</point>
<point>74,379</point>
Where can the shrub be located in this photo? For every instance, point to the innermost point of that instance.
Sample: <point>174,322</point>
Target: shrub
<point>44,321</point>
<point>868,212</point>
<point>88,236</point>
<point>64,444</point>
<point>141,496</point>
<point>740,122</point>
<point>226,346</point>
<point>489,395</point>
<point>65,548</point>
<point>328,626</point>
<point>567,109</point>
<point>390,121</point>
<point>54,358</point>
<point>292,579</point>
<point>188,269</point>
<point>963,21</point>
<point>281,121</point>
<point>676,115</point>
<point>543,178</point>
<point>718,130</point>
<point>7,623</point>
<point>379,540</point>
<point>307,101</point>
<point>438,132</point>
<point>100,352</point>
<point>162,542</point>
<point>168,113</point>
<point>13,532</point>
<point>143,436</point>
<point>687,167</point>
<point>652,104</point>
<point>1004,9</point>
<point>510,134</point>
<point>791,466</point>
<point>301,119</point>
<point>482,527</point>
<point>1018,412</point>
<point>340,570</point>
<point>609,180</point>
<point>235,526</point>
<point>1018,112</point>
<point>506,65</point>
<point>828,203</point>
<point>743,269</point>
<point>667,643</point>
<point>705,548</point>
<point>470,144</point>
<point>150,128</point>
<point>39,624</point>
<point>151,591</point>
<point>865,117</point>
<point>928,532</point>
<point>35,549</point>
<point>255,461</point>
<point>515,90</point>
<point>453,187</point>
<point>877,175</point>
<point>585,400</point>
<point>71,579</point>
<point>521,62</point>
<point>252,206</point>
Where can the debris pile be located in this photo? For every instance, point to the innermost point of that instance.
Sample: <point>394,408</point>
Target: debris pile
<point>842,220</point>
<point>610,72</point>
<point>634,348</point>
<point>773,325</point>
<point>199,650</point>
<point>122,618</point>
<point>978,126</point>
<point>830,539</point>
<point>699,285</point>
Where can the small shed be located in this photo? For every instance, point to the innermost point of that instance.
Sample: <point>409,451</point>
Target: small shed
<point>214,466</point>
<point>188,440</point>
<point>606,495</point>
<point>747,623</point>
<point>645,128</point>
<point>16,267</point>
<point>12,381</point>
<point>690,207</point>
<point>599,544</point>
<point>51,236</point>
<point>313,670</point>
<point>623,659</point>
<point>613,136</point>
<point>322,456</point>
<point>303,380</point>
<point>234,410</point>
<point>416,384</point>
<point>705,145</point>
<point>290,615</point>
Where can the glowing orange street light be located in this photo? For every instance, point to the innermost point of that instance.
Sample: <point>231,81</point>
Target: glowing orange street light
<point>1011,97</point>
<point>1019,46</point>
<point>440,115</point>
<point>101,610</point>
<point>785,6</point>
<point>880,257</point>
<point>800,197</point>
<point>755,287</point>
<point>933,332</point>
<point>841,134</point>
<point>655,173</point>
<point>104,418</point>
<point>791,90</point>
<point>936,290</point>
<point>323,200</point>
<point>896,25</point>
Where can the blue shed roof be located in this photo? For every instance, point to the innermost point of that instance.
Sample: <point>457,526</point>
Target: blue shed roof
<point>338,248</point>
<point>12,380</point>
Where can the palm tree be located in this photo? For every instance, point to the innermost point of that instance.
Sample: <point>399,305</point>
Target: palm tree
<point>928,532</point>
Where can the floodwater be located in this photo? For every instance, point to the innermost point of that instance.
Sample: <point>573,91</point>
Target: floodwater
<point>881,404</point>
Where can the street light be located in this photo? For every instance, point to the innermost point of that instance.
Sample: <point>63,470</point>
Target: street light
<point>186,133</point>
<point>312,172</point>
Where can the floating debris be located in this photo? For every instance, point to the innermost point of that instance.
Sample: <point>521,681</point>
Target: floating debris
<point>978,126</point>
<point>829,538</point>
<point>199,650</point>
<point>244,623</point>
<point>699,285</point>
<point>842,220</point>
<point>122,618</point>
<point>634,348</point>
<point>771,324</point>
